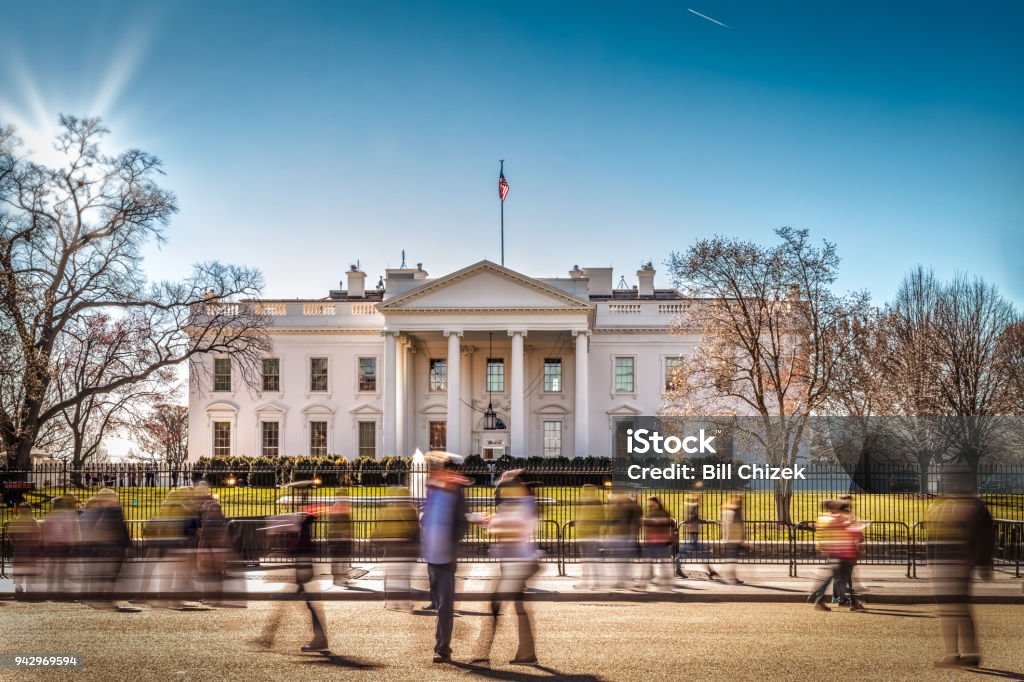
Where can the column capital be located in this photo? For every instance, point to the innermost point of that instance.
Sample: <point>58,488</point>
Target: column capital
<point>391,332</point>
<point>468,350</point>
<point>519,332</point>
<point>450,332</point>
<point>581,332</point>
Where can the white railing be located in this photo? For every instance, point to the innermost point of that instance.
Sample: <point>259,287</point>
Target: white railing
<point>272,309</point>
<point>364,308</point>
<point>624,308</point>
<point>318,309</point>
<point>672,308</point>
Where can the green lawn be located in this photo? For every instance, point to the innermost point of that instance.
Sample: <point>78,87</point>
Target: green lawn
<point>141,504</point>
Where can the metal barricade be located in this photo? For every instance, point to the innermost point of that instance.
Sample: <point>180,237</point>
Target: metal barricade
<point>1009,544</point>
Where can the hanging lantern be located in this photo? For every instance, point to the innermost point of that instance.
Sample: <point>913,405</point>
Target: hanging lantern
<point>490,418</point>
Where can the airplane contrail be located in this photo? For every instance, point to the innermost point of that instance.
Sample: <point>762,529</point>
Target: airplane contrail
<point>704,16</point>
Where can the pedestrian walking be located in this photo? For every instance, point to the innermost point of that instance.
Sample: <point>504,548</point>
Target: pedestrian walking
<point>442,526</point>
<point>733,536</point>
<point>657,546</point>
<point>960,540</point>
<point>589,522</point>
<point>511,530</point>
<point>26,539</point>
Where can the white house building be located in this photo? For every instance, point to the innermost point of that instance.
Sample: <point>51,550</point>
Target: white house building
<point>417,362</point>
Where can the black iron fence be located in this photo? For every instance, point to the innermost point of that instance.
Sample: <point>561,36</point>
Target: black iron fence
<point>777,529</point>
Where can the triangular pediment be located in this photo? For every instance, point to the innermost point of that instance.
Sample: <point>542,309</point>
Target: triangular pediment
<point>484,286</point>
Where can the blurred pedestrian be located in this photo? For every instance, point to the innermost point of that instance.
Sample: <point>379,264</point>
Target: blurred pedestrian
<point>339,538</point>
<point>689,537</point>
<point>733,536</point>
<point>26,539</point>
<point>621,537</point>
<point>105,541</point>
<point>397,535</point>
<point>293,533</point>
<point>214,551</point>
<point>442,526</point>
<point>511,529</point>
<point>657,546</point>
<point>960,539</point>
<point>838,539</point>
<point>61,540</point>
<point>589,521</point>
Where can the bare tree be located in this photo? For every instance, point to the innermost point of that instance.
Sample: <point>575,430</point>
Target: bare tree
<point>772,335</point>
<point>70,246</point>
<point>163,434</point>
<point>92,353</point>
<point>972,320</point>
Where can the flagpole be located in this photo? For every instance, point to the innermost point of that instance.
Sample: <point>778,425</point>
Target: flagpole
<point>501,201</point>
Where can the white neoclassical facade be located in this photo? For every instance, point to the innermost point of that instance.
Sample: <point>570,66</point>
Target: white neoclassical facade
<point>484,360</point>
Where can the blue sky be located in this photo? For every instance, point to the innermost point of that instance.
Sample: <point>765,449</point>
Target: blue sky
<point>301,136</point>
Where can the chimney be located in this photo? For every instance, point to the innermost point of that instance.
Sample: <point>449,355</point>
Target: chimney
<point>645,279</point>
<point>600,281</point>
<point>576,273</point>
<point>356,282</point>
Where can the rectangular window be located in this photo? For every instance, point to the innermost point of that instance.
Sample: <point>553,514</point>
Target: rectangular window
<point>317,439</point>
<point>271,374</point>
<point>671,377</point>
<point>438,374</point>
<point>552,375</point>
<point>368,374</point>
<point>495,375</point>
<point>624,379</point>
<point>552,439</point>
<point>318,375</point>
<point>367,439</point>
<point>270,437</point>
<point>221,438</point>
<point>222,374</point>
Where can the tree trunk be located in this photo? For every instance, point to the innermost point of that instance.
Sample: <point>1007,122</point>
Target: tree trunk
<point>783,502</point>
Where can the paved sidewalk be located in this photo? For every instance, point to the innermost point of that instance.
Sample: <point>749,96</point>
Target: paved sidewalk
<point>761,583</point>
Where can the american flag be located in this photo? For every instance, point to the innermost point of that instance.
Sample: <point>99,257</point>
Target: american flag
<point>502,187</point>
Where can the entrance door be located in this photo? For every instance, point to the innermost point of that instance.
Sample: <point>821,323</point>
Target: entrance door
<point>438,435</point>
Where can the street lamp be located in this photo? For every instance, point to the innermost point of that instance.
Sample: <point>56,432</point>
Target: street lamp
<point>231,480</point>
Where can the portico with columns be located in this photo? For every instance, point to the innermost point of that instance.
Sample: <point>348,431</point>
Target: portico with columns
<point>496,330</point>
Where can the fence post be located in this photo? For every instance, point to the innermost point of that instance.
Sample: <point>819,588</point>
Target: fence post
<point>3,551</point>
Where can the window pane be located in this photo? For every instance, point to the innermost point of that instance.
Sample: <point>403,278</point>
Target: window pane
<point>495,375</point>
<point>367,374</point>
<point>271,438</point>
<point>318,374</point>
<point>318,438</point>
<point>221,438</point>
<point>222,374</point>
<point>438,374</point>
<point>271,374</point>
<point>367,439</point>
<point>671,365</point>
<point>552,438</point>
<point>624,375</point>
<point>553,375</point>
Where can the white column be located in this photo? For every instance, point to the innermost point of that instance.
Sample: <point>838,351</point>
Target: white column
<point>400,397</point>
<point>453,429</point>
<point>410,398</point>
<point>517,398</point>
<point>466,437</point>
<point>581,430</point>
<point>390,445</point>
